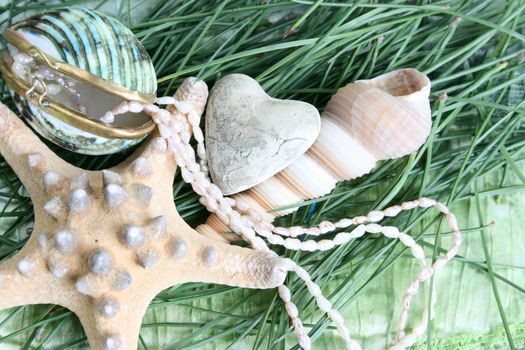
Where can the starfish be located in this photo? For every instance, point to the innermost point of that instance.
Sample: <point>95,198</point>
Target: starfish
<point>105,243</point>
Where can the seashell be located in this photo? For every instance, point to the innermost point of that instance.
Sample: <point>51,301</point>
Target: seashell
<point>370,120</point>
<point>80,64</point>
<point>252,136</point>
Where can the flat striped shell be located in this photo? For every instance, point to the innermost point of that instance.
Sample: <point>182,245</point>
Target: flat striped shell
<point>92,42</point>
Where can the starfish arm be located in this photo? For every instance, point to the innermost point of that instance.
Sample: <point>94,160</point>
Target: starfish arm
<point>120,331</point>
<point>192,257</point>
<point>26,154</point>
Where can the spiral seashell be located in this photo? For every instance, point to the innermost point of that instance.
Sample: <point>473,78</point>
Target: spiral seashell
<point>370,120</point>
<point>96,47</point>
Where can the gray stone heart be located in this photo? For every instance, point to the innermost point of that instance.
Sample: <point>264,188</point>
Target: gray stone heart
<point>251,136</point>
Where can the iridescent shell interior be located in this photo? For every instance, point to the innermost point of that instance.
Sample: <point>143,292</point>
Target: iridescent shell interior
<point>99,45</point>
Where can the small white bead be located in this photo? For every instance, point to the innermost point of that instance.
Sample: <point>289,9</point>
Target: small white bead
<point>426,202</point>
<point>392,211</point>
<point>223,217</point>
<point>165,131</point>
<point>295,231</point>
<point>276,240</point>
<point>177,125</point>
<point>185,136</point>
<point>291,309</point>
<point>418,252</point>
<point>409,205</point>
<point>215,191</point>
<point>292,243</point>
<point>342,238</point>
<point>390,231</point>
<point>165,100</point>
<point>201,151</point>
<point>182,106</point>
<point>108,118</point>
<point>187,176</point>
<point>301,273</point>
<point>299,328</point>
<point>283,231</point>
<point>135,107</point>
<point>121,109</point>
<point>413,288</point>
<point>325,244</point>
<point>425,274</point>
<point>406,239</point>
<point>197,134</point>
<point>375,216</point>
<point>194,119</point>
<point>23,58</point>
<point>284,293</point>
<point>336,317</point>
<point>373,228</point>
<point>439,264</point>
<point>326,226</point>
<point>358,231</point>
<point>309,246</point>
<point>324,304</point>
<point>314,289</point>
<point>344,223</point>
<point>452,221</point>
<point>151,109</point>
<point>53,89</point>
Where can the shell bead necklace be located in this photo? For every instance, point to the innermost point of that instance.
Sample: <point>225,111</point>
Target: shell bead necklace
<point>176,125</point>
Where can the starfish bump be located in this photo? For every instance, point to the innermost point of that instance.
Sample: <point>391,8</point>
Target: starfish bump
<point>106,242</point>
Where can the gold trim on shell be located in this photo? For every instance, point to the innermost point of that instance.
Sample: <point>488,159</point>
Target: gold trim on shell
<point>110,87</point>
<point>67,114</point>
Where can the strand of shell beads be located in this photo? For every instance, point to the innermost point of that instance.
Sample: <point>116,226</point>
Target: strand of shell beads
<point>27,68</point>
<point>251,225</point>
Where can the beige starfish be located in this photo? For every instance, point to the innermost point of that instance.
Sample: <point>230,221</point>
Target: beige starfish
<point>106,242</point>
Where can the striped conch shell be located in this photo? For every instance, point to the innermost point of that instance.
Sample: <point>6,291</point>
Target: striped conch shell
<point>370,120</point>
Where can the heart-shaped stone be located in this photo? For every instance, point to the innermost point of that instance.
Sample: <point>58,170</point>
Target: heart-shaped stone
<point>252,136</point>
